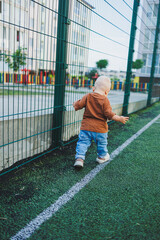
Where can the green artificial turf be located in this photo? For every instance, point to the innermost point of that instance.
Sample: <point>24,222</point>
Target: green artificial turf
<point>121,202</point>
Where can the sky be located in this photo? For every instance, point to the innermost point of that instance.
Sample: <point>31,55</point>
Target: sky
<point>108,47</point>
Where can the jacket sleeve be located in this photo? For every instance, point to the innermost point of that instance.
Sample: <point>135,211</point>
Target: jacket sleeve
<point>81,103</point>
<point>108,110</point>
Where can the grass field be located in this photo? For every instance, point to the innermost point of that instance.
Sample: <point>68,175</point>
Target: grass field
<point>121,202</point>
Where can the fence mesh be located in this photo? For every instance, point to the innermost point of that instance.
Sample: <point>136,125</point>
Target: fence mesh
<point>49,59</point>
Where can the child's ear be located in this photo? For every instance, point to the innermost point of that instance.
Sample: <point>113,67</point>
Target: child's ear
<point>93,88</point>
<point>106,92</point>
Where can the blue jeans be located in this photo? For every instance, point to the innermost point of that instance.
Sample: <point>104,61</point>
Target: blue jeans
<point>85,139</point>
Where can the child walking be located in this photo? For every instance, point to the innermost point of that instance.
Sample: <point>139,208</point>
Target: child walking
<point>94,124</point>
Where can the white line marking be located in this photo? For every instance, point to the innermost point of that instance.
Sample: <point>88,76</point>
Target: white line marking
<point>29,229</point>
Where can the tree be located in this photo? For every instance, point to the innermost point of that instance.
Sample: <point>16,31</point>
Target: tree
<point>137,64</point>
<point>115,78</point>
<point>92,73</point>
<point>103,63</point>
<point>17,59</point>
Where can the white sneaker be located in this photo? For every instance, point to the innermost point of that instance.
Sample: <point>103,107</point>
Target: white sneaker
<point>106,158</point>
<point>79,163</point>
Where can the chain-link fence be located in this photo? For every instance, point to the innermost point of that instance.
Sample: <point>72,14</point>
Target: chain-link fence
<point>50,57</point>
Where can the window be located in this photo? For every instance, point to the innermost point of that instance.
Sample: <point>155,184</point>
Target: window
<point>31,22</point>
<point>17,36</point>
<point>0,6</point>
<point>4,32</point>
<point>84,10</point>
<point>25,3</point>
<point>143,70</point>
<point>75,37</point>
<point>146,35</point>
<point>42,27</point>
<point>151,45</point>
<point>155,10</point>
<point>83,39</point>
<point>152,35</point>
<point>83,22</point>
<point>149,14</point>
<point>41,65</point>
<point>81,51</point>
<point>144,59</point>
<point>75,50</point>
<point>21,37</point>
<point>30,62</point>
<point>42,9</point>
<point>159,36</point>
<point>77,7</point>
<point>17,17</point>
<point>148,69</point>
<point>149,59</point>
<point>31,42</point>
<point>156,70</point>
<point>42,47</point>
<point>145,46</point>
<point>55,30</point>
<point>81,64</point>
<point>32,3</point>
<point>83,29</point>
<point>18,2</point>
<point>157,60</point>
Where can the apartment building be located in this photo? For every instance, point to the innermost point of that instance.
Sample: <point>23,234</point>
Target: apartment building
<point>147,36</point>
<point>32,25</point>
<point>79,36</point>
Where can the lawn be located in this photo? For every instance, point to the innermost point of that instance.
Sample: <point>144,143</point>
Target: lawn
<point>121,202</point>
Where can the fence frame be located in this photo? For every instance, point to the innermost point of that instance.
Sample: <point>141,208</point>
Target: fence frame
<point>60,71</point>
<point>130,57</point>
<point>154,58</point>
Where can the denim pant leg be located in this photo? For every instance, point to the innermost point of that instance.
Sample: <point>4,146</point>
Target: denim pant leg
<point>101,141</point>
<point>83,143</point>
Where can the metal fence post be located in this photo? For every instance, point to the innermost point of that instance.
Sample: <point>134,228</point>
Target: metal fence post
<point>154,58</point>
<point>60,71</point>
<point>130,57</point>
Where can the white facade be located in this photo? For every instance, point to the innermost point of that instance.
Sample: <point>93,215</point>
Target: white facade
<point>149,17</point>
<point>29,25</point>
<point>25,25</point>
<point>79,36</point>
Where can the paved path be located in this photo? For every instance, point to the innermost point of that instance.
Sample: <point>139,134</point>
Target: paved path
<point>32,105</point>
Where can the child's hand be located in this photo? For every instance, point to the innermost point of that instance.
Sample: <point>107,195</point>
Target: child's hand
<point>123,119</point>
<point>120,119</point>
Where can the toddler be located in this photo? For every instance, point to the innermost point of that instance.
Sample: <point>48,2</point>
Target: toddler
<point>94,124</point>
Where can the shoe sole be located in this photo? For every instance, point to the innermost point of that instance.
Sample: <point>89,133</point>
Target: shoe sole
<point>101,161</point>
<point>78,165</point>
